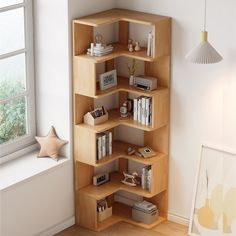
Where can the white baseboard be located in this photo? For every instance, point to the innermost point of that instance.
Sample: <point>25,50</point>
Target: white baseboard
<point>58,228</point>
<point>178,219</point>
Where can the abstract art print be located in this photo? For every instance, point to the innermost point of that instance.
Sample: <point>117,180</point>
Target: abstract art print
<point>214,205</point>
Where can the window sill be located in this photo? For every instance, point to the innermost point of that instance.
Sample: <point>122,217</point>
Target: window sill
<point>25,167</point>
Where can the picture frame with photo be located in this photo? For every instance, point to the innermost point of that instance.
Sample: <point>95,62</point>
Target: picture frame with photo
<point>108,80</point>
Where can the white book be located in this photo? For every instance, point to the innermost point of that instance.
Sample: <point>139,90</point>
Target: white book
<point>150,116</point>
<point>110,143</point>
<point>143,112</point>
<point>149,180</point>
<point>136,109</point>
<point>148,111</point>
<point>99,147</point>
<point>103,145</point>
<point>140,109</point>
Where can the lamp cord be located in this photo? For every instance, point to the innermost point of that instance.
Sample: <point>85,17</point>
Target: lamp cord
<point>205,14</point>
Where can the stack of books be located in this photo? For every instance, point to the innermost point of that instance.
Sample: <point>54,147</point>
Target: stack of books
<point>143,110</point>
<point>99,50</point>
<point>104,144</point>
<point>146,179</point>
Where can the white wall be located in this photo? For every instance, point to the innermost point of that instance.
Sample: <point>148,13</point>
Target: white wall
<point>203,107</point>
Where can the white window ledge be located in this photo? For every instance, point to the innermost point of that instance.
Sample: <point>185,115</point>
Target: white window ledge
<point>23,168</point>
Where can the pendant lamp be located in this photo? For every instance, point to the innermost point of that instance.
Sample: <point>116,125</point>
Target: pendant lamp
<point>204,53</point>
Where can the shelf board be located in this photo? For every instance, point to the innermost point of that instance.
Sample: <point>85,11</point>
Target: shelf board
<point>118,51</point>
<point>123,85</point>
<point>122,212</point>
<point>115,120</point>
<point>120,151</point>
<point>114,185</point>
<point>115,15</point>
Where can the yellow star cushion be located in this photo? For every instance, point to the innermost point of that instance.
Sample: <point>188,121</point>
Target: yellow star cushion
<point>50,145</point>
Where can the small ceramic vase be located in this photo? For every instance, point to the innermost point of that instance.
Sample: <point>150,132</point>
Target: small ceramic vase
<point>131,80</point>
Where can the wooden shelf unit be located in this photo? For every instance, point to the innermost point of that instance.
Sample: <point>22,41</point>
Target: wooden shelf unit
<point>86,90</point>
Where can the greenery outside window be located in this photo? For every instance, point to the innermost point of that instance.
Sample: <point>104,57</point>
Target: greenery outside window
<point>17,109</point>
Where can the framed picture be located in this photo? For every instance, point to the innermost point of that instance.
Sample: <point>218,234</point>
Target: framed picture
<point>108,80</point>
<point>214,204</point>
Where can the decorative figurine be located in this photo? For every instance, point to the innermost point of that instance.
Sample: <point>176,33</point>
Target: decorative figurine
<point>126,108</point>
<point>130,179</point>
<point>137,47</point>
<point>130,151</point>
<point>130,42</point>
<point>131,48</point>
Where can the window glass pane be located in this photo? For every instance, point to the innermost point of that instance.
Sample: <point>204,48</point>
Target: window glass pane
<point>12,76</point>
<point>12,120</point>
<point>12,30</point>
<point>6,3</point>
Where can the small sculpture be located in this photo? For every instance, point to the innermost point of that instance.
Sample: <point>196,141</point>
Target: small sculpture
<point>131,48</point>
<point>130,42</point>
<point>137,47</point>
<point>130,179</point>
<point>126,108</point>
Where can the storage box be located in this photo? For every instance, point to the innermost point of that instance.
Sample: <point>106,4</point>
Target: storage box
<point>105,214</point>
<point>144,217</point>
<point>89,119</point>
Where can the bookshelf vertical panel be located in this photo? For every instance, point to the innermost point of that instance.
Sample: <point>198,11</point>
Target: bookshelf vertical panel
<point>160,110</point>
<point>82,37</point>
<point>162,38</point>
<point>82,151</point>
<point>159,176</point>
<point>83,175</point>
<point>84,77</point>
<point>82,105</point>
<point>86,211</point>
<point>159,69</point>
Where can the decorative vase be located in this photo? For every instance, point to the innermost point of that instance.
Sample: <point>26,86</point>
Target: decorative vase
<point>131,80</point>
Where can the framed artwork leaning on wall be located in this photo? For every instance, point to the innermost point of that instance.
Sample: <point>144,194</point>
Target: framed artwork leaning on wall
<point>214,204</point>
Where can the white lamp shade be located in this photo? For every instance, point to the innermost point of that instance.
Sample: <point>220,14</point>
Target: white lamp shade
<point>204,53</point>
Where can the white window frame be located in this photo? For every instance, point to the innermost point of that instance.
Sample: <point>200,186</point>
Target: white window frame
<point>26,140</point>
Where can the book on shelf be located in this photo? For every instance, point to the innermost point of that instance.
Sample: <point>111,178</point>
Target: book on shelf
<point>99,147</point>
<point>146,178</point>
<point>104,144</point>
<point>143,110</point>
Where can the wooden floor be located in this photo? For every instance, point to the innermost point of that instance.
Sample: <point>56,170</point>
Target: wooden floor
<point>124,229</point>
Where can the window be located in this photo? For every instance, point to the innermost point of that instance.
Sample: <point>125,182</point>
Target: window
<point>17,112</point>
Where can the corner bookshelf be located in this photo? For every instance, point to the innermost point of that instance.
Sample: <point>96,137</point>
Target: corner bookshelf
<point>85,91</point>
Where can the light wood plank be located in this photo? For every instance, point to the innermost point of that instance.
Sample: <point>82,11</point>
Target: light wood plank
<point>115,15</point>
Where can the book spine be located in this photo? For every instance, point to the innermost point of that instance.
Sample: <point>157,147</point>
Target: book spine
<point>103,145</point>
<point>107,143</point>
<point>110,143</point>
<point>139,110</point>
<point>147,105</point>
<point>150,111</point>
<point>149,180</point>
<point>149,46</point>
<point>99,147</point>
<point>143,113</point>
<point>143,179</point>
<point>135,109</point>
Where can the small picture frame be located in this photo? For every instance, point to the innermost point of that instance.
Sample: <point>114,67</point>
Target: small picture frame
<point>108,80</point>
